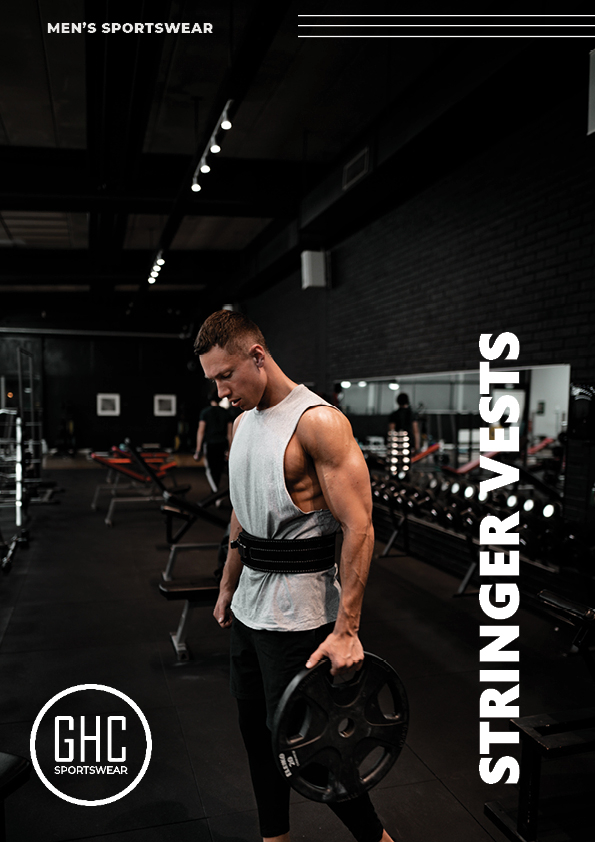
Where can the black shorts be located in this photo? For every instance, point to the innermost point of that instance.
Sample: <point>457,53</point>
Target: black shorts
<point>264,662</point>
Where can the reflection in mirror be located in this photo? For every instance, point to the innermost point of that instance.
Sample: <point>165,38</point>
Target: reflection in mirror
<point>446,406</point>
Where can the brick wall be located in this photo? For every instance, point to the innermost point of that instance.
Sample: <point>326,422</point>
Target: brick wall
<point>505,242</point>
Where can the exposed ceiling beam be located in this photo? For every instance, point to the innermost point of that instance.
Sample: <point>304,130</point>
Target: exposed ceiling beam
<point>57,180</point>
<point>76,267</point>
<point>121,74</point>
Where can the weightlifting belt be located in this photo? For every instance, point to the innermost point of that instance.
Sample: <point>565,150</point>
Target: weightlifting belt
<point>306,555</point>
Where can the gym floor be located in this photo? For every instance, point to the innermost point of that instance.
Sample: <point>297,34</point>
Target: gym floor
<point>81,605</point>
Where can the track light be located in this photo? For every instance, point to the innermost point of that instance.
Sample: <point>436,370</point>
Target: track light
<point>346,384</point>
<point>160,261</point>
<point>393,386</point>
<point>151,280</point>
<point>204,167</point>
<point>154,274</point>
<point>226,125</point>
<point>195,185</point>
<point>215,148</point>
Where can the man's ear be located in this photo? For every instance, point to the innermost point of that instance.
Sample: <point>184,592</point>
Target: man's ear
<point>257,353</point>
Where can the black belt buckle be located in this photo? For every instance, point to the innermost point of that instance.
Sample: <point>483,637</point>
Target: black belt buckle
<point>243,549</point>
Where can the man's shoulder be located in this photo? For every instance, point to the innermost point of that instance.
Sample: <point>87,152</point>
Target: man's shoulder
<point>323,422</point>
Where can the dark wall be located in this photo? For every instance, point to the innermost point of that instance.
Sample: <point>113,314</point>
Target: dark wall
<point>294,323</point>
<point>505,243</point>
<point>72,370</point>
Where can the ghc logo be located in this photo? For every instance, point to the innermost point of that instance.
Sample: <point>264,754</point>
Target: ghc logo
<point>91,722</point>
<point>94,738</point>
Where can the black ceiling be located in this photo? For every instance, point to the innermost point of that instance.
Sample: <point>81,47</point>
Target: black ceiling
<point>100,135</point>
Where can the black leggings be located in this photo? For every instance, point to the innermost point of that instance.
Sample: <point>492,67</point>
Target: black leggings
<point>272,790</point>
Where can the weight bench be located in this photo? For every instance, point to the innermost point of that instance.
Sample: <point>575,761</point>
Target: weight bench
<point>120,463</point>
<point>198,593</point>
<point>178,508</point>
<point>551,735</point>
<point>14,772</point>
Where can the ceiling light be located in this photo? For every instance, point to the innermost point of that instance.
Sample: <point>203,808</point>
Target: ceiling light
<point>195,185</point>
<point>548,510</point>
<point>529,505</point>
<point>151,280</point>
<point>393,386</point>
<point>205,168</point>
<point>154,274</point>
<point>362,383</point>
<point>215,148</point>
<point>160,261</point>
<point>226,125</point>
<point>346,384</point>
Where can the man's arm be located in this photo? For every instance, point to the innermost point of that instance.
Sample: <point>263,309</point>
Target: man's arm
<point>200,434</point>
<point>233,564</point>
<point>345,483</point>
<point>229,579</point>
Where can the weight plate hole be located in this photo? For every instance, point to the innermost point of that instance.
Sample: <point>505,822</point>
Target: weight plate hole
<point>386,701</point>
<point>346,727</point>
<point>316,774</point>
<point>370,761</point>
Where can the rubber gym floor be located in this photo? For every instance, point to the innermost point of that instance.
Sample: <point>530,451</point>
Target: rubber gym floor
<point>81,605</point>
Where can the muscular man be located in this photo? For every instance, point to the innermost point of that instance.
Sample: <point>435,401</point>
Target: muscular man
<point>297,477</point>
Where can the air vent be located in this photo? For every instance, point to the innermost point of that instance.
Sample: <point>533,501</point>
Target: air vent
<point>356,168</point>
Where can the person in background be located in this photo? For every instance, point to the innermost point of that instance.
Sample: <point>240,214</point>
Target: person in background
<point>213,437</point>
<point>405,419</point>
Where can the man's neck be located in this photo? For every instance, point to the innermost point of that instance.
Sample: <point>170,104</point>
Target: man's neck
<point>279,385</point>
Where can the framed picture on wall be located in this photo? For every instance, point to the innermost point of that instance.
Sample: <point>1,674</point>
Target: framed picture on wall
<point>108,403</point>
<point>164,404</point>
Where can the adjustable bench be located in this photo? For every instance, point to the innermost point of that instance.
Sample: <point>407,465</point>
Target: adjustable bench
<point>199,592</point>
<point>120,464</point>
<point>203,592</point>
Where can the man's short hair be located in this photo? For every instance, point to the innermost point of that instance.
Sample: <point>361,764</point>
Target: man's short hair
<point>403,399</point>
<point>232,331</point>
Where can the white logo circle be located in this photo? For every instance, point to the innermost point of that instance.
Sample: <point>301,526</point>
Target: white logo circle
<point>77,689</point>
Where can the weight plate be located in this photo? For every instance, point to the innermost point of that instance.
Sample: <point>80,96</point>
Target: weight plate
<point>336,739</point>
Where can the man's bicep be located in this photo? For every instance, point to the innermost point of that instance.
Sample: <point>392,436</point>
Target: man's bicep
<point>345,484</point>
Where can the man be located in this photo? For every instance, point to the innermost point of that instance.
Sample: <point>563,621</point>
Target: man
<point>405,419</point>
<point>296,475</point>
<point>213,435</point>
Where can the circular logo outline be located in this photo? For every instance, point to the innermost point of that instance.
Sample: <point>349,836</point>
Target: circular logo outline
<point>75,689</point>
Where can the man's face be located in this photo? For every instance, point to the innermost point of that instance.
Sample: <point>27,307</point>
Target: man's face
<point>239,377</point>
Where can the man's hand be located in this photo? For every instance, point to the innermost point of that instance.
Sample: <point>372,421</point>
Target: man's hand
<point>222,612</point>
<point>197,455</point>
<point>344,651</point>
